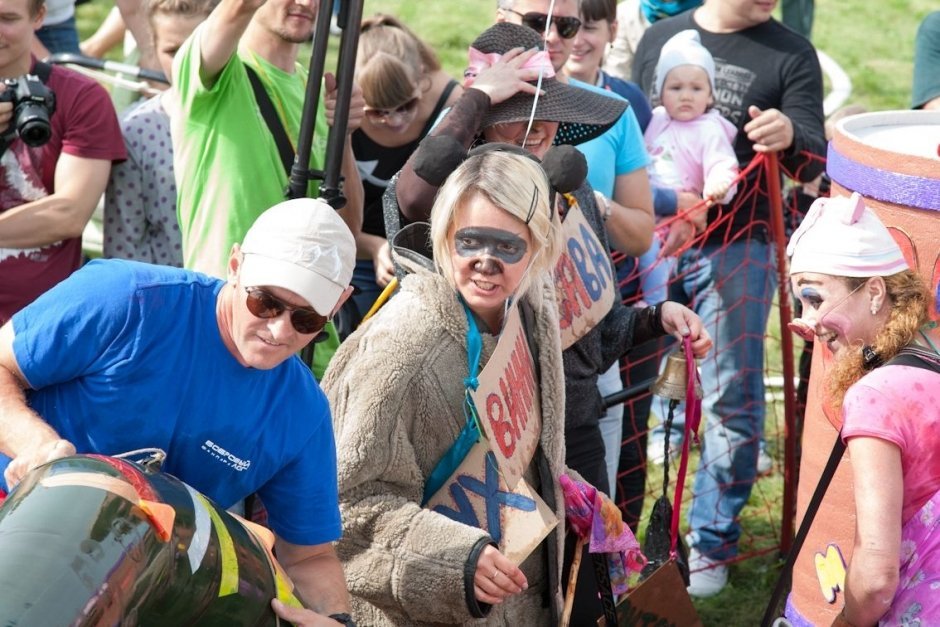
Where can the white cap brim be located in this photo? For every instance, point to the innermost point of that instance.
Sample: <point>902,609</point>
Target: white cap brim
<point>320,292</point>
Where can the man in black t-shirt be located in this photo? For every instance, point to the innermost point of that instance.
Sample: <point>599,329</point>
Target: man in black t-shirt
<point>769,85</point>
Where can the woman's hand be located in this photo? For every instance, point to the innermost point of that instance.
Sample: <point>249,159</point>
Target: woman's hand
<point>680,321</point>
<point>506,78</point>
<point>384,268</point>
<point>496,578</point>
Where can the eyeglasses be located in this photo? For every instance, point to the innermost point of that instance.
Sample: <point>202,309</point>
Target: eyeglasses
<point>382,115</point>
<point>261,304</point>
<point>806,331</point>
<point>567,26</point>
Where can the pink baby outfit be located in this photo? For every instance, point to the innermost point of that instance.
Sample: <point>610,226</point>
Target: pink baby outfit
<point>686,154</point>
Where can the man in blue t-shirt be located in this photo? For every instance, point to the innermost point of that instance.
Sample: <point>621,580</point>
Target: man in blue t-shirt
<point>124,355</point>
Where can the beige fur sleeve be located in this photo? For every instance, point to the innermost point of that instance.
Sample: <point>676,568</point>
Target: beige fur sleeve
<point>397,556</point>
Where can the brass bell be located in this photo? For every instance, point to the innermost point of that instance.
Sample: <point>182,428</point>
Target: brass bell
<point>671,383</point>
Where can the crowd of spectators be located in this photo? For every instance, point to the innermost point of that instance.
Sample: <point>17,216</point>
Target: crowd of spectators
<point>192,182</point>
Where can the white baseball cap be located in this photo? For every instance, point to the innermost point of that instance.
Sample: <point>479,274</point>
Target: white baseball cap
<point>301,245</point>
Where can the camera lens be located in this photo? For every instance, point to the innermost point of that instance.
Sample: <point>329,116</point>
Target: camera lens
<point>32,124</point>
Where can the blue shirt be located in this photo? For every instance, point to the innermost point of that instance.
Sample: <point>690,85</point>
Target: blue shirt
<point>124,355</point>
<point>618,151</point>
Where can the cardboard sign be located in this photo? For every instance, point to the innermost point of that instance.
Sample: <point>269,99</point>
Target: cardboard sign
<point>584,279</point>
<point>517,519</point>
<point>659,600</point>
<point>507,401</point>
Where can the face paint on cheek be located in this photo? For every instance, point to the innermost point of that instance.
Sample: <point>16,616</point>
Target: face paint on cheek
<point>481,241</point>
<point>837,322</point>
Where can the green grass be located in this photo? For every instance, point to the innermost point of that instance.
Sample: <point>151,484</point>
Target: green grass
<point>873,42</point>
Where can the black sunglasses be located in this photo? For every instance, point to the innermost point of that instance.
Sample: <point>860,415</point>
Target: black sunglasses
<point>567,26</point>
<point>261,304</point>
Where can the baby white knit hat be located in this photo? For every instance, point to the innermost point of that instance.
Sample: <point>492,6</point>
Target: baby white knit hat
<point>684,48</point>
<point>842,237</point>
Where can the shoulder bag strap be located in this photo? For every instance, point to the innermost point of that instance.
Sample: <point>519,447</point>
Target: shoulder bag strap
<point>783,581</point>
<point>271,118</point>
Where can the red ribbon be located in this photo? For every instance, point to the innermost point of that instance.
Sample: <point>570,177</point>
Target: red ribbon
<point>693,416</point>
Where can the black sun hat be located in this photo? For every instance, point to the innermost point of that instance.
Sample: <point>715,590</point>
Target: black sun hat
<point>582,114</point>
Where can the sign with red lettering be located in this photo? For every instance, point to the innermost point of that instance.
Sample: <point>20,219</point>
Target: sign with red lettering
<point>507,401</point>
<point>476,494</point>
<point>585,283</point>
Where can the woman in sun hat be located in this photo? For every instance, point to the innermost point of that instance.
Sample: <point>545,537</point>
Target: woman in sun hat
<point>861,299</point>
<point>505,66</point>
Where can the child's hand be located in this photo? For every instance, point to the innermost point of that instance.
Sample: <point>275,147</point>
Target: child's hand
<point>716,188</point>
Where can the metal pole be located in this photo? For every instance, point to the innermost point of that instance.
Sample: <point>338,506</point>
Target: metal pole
<point>772,171</point>
<point>350,15</point>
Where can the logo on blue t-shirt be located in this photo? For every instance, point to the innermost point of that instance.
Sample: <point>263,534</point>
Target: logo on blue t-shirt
<point>229,459</point>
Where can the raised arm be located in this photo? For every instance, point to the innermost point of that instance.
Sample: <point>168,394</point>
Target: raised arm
<point>463,122</point>
<point>220,36</point>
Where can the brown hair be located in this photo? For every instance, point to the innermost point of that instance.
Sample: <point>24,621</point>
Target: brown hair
<point>910,309</point>
<point>188,8</point>
<point>33,7</point>
<point>596,10</point>
<point>391,62</point>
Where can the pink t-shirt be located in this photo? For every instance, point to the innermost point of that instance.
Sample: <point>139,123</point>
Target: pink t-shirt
<point>901,404</point>
<point>84,125</point>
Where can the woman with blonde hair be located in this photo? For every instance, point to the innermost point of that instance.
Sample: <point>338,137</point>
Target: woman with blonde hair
<point>405,91</point>
<point>401,389</point>
<point>398,390</point>
<point>862,301</point>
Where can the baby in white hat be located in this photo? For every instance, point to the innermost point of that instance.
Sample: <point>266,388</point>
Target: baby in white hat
<point>690,144</point>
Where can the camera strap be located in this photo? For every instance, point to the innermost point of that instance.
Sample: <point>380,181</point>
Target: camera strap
<point>284,148</point>
<point>42,71</point>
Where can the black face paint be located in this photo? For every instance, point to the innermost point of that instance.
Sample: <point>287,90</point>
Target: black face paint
<point>481,241</point>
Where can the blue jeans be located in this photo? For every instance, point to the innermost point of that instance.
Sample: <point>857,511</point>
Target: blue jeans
<point>368,290</point>
<point>61,37</point>
<point>611,425</point>
<point>731,288</point>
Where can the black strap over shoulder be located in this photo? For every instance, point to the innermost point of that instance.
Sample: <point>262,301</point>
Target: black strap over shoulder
<point>271,118</point>
<point>911,355</point>
<point>916,357</point>
<point>42,71</point>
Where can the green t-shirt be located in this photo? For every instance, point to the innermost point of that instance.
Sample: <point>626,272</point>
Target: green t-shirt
<point>228,169</point>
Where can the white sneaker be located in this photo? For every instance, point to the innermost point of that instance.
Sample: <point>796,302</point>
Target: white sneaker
<point>765,463</point>
<point>655,453</point>
<point>707,577</point>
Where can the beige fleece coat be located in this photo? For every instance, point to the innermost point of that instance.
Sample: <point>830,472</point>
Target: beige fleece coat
<point>396,390</point>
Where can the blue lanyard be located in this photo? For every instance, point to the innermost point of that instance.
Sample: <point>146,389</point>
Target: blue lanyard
<point>470,434</point>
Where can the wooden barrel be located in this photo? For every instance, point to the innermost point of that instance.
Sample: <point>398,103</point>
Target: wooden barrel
<point>891,158</point>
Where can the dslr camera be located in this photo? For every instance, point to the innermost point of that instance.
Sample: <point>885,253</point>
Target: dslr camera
<point>33,104</point>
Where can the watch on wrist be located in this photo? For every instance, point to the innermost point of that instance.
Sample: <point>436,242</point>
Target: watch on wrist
<point>343,619</point>
<point>604,201</point>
